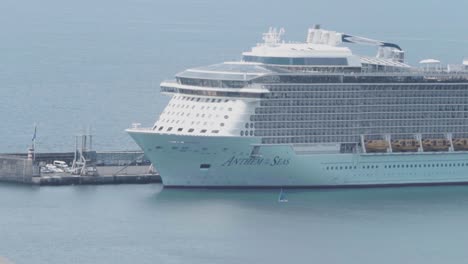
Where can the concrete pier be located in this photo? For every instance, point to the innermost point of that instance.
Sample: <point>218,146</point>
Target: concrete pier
<point>20,169</point>
<point>95,180</point>
<point>17,169</point>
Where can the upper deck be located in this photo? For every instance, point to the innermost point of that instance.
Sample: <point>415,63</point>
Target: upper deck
<point>320,59</point>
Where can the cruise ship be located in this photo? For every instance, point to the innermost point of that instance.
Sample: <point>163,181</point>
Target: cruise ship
<point>312,114</point>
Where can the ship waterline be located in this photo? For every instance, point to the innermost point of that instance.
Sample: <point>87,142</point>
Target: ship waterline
<point>195,161</point>
<point>312,114</point>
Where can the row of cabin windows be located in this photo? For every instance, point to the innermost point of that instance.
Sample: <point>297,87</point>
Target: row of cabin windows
<point>362,93</point>
<point>358,116</point>
<point>432,165</point>
<point>364,101</point>
<point>366,87</point>
<point>360,130</point>
<point>363,124</point>
<point>246,133</point>
<point>395,109</point>
<point>193,108</point>
<point>199,99</point>
<point>399,166</point>
<point>180,129</point>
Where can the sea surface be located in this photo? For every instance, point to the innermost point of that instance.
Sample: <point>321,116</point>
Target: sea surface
<point>148,224</point>
<point>74,66</point>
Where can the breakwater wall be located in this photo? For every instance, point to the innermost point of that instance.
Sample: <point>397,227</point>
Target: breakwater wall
<point>17,169</point>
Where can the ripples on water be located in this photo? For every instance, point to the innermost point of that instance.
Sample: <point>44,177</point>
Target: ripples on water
<point>146,224</point>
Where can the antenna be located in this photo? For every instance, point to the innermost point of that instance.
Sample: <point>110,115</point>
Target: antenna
<point>273,36</point>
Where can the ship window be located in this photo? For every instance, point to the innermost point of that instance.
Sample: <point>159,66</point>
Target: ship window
<point>191,130</point>
<point>229,109</point>
<point>242,133</point>
<point>180,129</point>
<point>221,124</point>
<point>226,117</point>
<point>203,131</point>
<point>213,100</point>
<point>169,129</point>
<point>205,166</point>
<point>251,132</point>
<point>219,100</point>
<point>215,131</point>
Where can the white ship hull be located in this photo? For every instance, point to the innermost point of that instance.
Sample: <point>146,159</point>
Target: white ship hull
<point>200,161</point>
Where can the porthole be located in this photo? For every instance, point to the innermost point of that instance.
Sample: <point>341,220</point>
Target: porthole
<point>203,131</point>
<point>246,125</point>
<point>226,117</point>
<point>242,133</point>
<point>221,124</point>
<point>251,133</point>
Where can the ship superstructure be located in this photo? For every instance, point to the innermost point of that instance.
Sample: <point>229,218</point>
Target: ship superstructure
<point>312,114</point>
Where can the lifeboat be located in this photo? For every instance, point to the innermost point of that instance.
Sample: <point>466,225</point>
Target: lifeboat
<point>405,145</point>
<point>376,145</point>
<point>460,144</point>
<point>438,144</point>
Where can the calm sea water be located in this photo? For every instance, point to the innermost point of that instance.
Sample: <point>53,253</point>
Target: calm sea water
<point>145,224</point>
<point>69,65</point>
